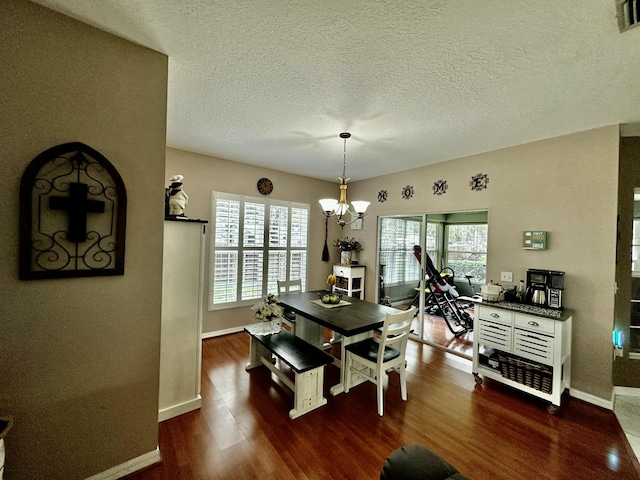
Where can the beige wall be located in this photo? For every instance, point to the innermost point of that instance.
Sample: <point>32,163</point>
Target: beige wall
<point>566,186</point>
<point>204,175</point>
<point>79,358</point>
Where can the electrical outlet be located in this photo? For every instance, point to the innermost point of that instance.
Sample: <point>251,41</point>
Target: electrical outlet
<point>506,276</point>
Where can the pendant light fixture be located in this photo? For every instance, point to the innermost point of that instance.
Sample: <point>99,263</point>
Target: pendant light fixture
<point>337,210</point>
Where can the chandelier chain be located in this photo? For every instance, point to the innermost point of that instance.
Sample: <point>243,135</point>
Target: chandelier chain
<point>344,159</point>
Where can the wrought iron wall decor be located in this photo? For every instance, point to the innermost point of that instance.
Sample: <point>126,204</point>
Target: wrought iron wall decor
<point>440,187</point>
<point>479,182</point>
<point>407,192</point>
<point>73,207</point>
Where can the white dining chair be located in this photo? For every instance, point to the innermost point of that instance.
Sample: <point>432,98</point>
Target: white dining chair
<point>289,286</point>
<point>373,357</point>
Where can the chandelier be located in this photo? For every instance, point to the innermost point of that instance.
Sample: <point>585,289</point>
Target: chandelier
<point>337,210</point>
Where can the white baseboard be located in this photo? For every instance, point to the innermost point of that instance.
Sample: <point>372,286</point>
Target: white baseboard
<point>627,391</point>
<point>133,465</point>
<point>587,397</point>
<point>219,333</point>
<point>179,409</point>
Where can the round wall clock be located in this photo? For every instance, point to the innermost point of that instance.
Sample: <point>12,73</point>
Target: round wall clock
<point>265,186</point>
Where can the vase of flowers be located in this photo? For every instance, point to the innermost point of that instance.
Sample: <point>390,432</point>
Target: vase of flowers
<point>267,311</point>
<point>347,247</point>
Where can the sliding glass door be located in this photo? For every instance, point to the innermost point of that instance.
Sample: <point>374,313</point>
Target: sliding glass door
<point>400,270</point>
<point>455,241</point>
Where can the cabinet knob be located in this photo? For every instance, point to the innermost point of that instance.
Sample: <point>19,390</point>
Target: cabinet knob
<point>494,315</point>
<point>534,324</point>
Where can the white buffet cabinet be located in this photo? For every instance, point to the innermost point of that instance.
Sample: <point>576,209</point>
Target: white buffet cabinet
<point>181,335</point>
<point>349,280</point>
<point>525,350</point>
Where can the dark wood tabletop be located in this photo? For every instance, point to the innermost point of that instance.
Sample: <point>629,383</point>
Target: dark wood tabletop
<point>359,317</point>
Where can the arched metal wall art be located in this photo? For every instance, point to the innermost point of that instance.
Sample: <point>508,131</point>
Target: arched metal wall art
<point>73,207</point>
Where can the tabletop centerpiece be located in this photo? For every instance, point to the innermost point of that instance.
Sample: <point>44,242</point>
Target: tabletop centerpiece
<point>269,313</point>
<point>347,246</point>
<point>330,296</point>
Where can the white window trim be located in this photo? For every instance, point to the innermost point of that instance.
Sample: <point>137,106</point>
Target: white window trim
<point>241,248</point>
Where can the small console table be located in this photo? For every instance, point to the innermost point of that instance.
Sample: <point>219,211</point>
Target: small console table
<point>350,280</point>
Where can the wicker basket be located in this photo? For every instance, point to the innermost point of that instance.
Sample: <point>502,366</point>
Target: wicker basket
<point>532,375</point>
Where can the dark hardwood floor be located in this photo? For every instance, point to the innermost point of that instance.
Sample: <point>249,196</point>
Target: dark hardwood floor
<point>436,332</point>
<point>488,432</point>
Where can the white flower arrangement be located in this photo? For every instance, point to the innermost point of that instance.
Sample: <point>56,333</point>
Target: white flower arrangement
<point>268,308</point>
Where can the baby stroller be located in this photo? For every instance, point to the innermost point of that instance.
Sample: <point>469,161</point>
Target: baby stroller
<point>442,298</point>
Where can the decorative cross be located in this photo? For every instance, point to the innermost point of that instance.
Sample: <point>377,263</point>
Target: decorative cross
<point>77,206</point>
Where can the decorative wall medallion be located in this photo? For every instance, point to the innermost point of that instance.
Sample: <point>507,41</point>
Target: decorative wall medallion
<point>407,192</point>
<point>479,182</point>
<point>440,187</point>
<point>382,196</point>
<point>72,215</point>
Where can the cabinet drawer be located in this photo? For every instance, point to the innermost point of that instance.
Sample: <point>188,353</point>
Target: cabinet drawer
<point>533,346</point>
<point>495,315</point>
<point>348,271</point>
<point>339,271</point>
<point>495,334</point>
<point>535,324</point>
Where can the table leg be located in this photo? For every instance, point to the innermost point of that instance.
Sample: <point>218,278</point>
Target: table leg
<point>309,331</point>
<point>340,387</point>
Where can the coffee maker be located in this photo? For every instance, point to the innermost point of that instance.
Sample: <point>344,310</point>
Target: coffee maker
<point>544,288</point>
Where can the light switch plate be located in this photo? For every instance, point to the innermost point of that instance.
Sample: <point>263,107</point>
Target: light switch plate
<point>506,276</point>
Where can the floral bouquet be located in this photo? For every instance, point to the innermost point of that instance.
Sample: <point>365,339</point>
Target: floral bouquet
<point>347,244</point>
<point>268,308</point>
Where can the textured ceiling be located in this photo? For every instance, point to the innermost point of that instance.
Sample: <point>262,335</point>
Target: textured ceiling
<point>273,83</point>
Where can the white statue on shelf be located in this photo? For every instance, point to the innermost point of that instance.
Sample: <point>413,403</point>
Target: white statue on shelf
<point>178,199</point>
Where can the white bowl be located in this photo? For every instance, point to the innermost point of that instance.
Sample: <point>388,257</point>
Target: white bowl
<point>490,293</point>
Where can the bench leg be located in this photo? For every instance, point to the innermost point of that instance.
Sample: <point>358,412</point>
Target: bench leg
<point>307,392</point>
<point>257,351</point>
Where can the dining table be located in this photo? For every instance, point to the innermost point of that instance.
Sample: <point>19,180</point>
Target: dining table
<point>352,319</point>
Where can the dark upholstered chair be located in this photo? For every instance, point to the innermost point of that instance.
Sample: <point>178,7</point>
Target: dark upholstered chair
<point>415,462</point>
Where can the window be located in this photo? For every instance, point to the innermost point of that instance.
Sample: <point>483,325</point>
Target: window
<point>466,250</point>
<point>256,242</point>
<point>635,248</point>
<point>397,239</point>
<point>635,239</point>
<point>433,241</point>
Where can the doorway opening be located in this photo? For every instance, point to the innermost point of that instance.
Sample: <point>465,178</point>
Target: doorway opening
<point>457,245</point>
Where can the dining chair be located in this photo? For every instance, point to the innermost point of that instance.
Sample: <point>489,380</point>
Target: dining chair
<point>373,357</point>
<point>289,316</point>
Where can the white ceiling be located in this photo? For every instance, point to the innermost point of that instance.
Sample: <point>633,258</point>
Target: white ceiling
<point>273,82</point>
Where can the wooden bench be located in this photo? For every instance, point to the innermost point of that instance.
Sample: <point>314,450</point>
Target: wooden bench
<point>306,361</point>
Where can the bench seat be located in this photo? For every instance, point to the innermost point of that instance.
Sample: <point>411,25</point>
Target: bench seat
<point>305,360</point>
